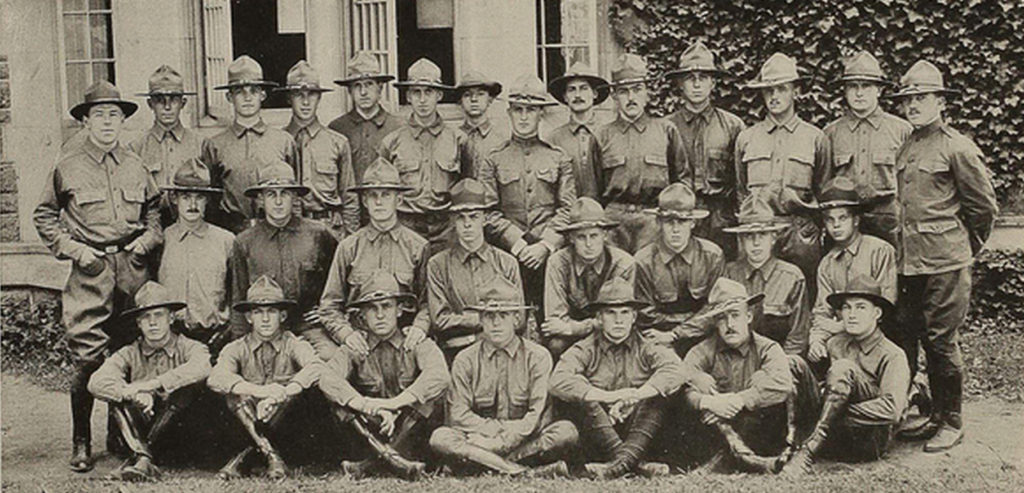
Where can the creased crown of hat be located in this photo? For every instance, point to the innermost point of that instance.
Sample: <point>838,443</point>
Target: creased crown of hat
<point>678,200</point>
<point>381,175</point>
<point>584,213</point>
<point>264,292</point>
<point>469,195</point>
<point>579,70</point>
<point>381,285</point>
<point>192,176</point>
<point>302,77</point>
<point>696,58</point>
<point>500,296</point>
<point>529,90</point>
<point>166,81</point>
<point>755,215</point>
<point>154,295</point>
<point>102,92</point>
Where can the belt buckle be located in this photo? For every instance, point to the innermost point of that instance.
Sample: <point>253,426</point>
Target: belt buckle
<point>111,249</point>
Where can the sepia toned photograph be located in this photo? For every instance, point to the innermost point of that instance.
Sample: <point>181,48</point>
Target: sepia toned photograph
<point>511,245</point>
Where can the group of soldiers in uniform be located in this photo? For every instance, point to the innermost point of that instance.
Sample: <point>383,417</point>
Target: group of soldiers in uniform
<point>631,297</point>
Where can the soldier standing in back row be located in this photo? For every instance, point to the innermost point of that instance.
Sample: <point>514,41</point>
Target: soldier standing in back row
<point>783,158</point>
<point>325,159</point>
<point>639,156</point>
<point>581,89</point>
<point>247,145</point>
<point>949,207</point>
<point>368,122</point>
<point>430,156</point>
<point>709,137</point>
<point>168,143</point>
<point>864,144</point>
<point>99,209</point>
<point>475,93</point>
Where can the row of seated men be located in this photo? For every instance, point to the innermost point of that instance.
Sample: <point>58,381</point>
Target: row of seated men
<point>635,388</point>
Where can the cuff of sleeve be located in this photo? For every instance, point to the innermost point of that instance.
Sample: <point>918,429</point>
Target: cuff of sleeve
<point>513,235</point>
<point>168,382</point>
<point>749,398</point>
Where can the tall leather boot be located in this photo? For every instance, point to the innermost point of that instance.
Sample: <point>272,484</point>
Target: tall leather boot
<point>802,461</point>
<point>232,470</point>
<point>409,469</point>
<point>926,429</point>
<point>275,465</point>
<point>81,417</point>
<point>743,454</point>
<point>950,432</point>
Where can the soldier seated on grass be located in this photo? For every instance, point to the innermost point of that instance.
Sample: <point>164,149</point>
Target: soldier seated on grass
<point>149,382</point>
<point>262,373</point>
<point>390,396</point>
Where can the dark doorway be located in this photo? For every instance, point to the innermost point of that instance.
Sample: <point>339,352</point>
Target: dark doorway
<point>254,32</point>
<point>415,43</point>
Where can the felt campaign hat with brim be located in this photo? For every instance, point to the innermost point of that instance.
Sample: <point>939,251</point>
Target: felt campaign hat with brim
<point>469,195</point>
<point>275,175</point>
<point>302,77</point>
<point>264,292</point>
<point>725,294</point>
<point>630,69</point>
<point>245,71</point>
<point>192,176</point>
<point>364,66</point>
<point>424,73</point>
<point>153,295</point>
<point>381,175</point>
<point>580,70</point>
<point>500,296</point>
<point>863,67</point>
<point>755,216</point>
<point>843,192</point>
<point>529,90</point>
<point>778,69</point>
<point>380,286</point>
<point>584,213</point>
<point>616,292</point>
<point>696,58</point>
<point>473,79</point>
<point>102,92</point>
<point>678,201</point>
<point>923,78</point>
<point>861,286</point>
<point>166,81</point>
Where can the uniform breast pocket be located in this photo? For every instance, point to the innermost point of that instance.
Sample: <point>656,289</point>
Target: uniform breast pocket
<point>799,171</point>
<point>447,174</point>
<point>759,169</point>
<point>134,198</point>
<point>508,181</point>
<point>655,171</point>
<point>484,405</point>
<point>519,404</point>
<point>93,206</point>
<point>547,187</point>
<point>842,162</point>
<point>614,168</point>
<point>885,171</point>
<point>409,170</point>
<point>326,178</point>
<point>935,178</point>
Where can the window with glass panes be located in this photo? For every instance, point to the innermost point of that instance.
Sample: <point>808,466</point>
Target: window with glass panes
<point>566,34</point>
<point>87,40</point>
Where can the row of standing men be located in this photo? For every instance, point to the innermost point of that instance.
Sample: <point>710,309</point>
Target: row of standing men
<point>925,191</point>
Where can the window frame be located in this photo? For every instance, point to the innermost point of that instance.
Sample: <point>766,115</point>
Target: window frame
<point>62,55</point>
<point>542,46</point>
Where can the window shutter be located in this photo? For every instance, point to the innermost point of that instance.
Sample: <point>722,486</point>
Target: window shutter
<point>373,28</point>
<point>217,53</point>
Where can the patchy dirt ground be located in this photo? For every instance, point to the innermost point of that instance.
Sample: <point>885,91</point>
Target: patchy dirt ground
<point>36,428</point>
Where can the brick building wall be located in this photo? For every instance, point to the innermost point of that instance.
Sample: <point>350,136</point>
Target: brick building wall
<point>9,231</point>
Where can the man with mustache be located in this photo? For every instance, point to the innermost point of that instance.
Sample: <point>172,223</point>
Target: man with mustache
<point>783,158</point>
<point>458,275</point>
<point>575,274</point>
<point>581,89</point>
<point>864,144</point>
<point>745,396</point>
<point>367,122</point>
<point>151,381</point>
<point>429,155</point>
<point>246,146</point>
<point>949,207</point>
<point>866,386</point>
<point>639,156</point>
<point>618,385</point>
<point>324,155</point>
<point>195,264</point>
<point>168,143</point>
<point>709,137</point>
<point>784,314</point>
<point>674,273</point>
<point>475,93</point>
<point>100,209</point>
<point>292,250</point>
<point>532,182</point>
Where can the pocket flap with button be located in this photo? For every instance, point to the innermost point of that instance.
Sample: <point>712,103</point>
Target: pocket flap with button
<point>843,159</point>
<point>325,166</point>
<point>613,162</point>
<point>799,171</point>
<point>407,165</point>
<point>887,158</point>
<point>656,160</point>
<point>938,226</point>
<point>935,166</point>
<point>756,155</point>
<point>507,175</point>
<point>153,166</point>
<point>549,175</point>
<point>83,197</point>
<point>134,195</point>
<point>449,165</point>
